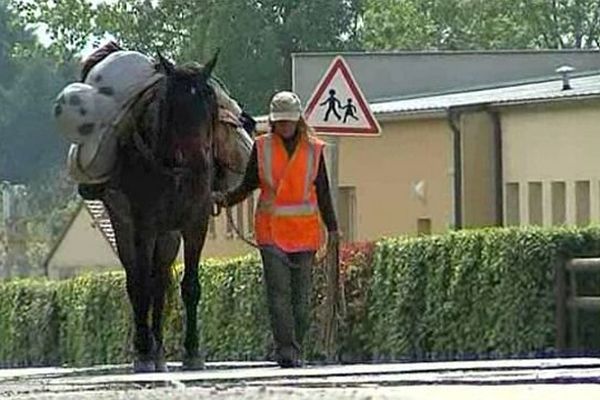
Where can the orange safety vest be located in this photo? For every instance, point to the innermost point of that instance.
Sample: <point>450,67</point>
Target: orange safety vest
<point>287,214</point>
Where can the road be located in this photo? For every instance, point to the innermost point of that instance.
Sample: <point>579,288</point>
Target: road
<point>510,379</point>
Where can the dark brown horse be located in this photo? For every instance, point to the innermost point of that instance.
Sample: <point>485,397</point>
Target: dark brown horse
<point>160,193</point>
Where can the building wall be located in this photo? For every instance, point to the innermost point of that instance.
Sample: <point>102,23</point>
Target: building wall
<point>551,164</point>
<point>384,171</point>
<point>402,182</point>
<point>222,241</point>
<point>83,248</point>
<point>479,170</point>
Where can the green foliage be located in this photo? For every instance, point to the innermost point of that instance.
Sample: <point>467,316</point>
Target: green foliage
<point>484,293</point>
<point>94,319</point>
<point>87,320</point>
<point>69,23</point>
<point>29,323</point>
<point>481,24</point>
<point>487,292</point>
<point>256,38</point>
<point>233,306</point>
<point>29,82</point>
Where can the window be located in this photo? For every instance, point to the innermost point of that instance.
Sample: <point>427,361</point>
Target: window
<point>559,203</point>
<point>582,203</point>
<point>536,216</point>
<point>513,213</point>
<point>424,226</point>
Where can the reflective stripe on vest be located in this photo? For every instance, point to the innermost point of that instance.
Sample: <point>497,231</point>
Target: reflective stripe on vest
<point>300,209</point>
<point>288,210</point>
<point>287,214</point>
<point>268,166</point>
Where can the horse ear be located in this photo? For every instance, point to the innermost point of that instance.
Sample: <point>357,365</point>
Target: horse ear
<point>165,65</point>
<point>210,66</point>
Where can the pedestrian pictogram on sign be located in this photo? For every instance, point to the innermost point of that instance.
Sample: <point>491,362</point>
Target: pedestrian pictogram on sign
<point>338,106</point>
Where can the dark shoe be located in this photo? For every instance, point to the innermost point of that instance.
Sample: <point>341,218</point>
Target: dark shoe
<point>290,363</point>
<point>289,357</point>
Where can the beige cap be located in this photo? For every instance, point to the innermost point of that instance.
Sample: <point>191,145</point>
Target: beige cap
<point>285,106</point>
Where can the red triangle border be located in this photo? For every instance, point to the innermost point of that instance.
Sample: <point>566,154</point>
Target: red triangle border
<point>340,64</point>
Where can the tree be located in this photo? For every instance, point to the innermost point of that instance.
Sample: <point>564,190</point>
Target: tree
<point>13,38</point>
<point>256,38</point>
<point>481,24</point>
<point>31,151</point>
<point>69,23</point>
<point>562,23</point>
<point>394,24</point>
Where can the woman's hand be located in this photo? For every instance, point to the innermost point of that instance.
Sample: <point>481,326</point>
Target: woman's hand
<point>219,198</point>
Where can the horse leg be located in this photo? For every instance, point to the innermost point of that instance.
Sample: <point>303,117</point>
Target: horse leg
<point>165,253</point>
<point>119,210</point>
<point>140,295</point>
<point>193,240</point>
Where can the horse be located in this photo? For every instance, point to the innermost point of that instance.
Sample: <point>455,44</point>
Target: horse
<point>160,193</point>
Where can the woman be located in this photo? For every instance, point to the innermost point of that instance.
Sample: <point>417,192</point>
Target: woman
<point>289,168</point>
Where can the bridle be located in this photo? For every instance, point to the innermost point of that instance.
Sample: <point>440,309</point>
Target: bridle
<point>175,172</point>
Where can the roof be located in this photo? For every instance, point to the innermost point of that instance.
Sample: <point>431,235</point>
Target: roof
<point>507,94</point>
<point>414,73</point>
<point>62,236</point>
<point>403,53</point>
<point>99,215</point>
<point>541,90</point>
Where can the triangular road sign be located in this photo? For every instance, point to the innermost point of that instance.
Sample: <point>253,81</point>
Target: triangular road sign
<point>338,106</point>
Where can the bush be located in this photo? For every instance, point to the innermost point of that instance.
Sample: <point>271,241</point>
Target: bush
<point>87,320</point>
<point>480,293</point>
<point>28,323</point>
<point>485,293</point>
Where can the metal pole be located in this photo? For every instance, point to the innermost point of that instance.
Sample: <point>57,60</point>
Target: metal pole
<point>334,173</point>
<point>332,260</point>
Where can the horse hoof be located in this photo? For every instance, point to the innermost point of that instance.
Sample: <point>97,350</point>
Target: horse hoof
<point>193,364</point>
<point>141,367</point>
<point>161,366</point>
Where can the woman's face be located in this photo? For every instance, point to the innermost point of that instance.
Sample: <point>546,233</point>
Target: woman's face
<point>285,129</point>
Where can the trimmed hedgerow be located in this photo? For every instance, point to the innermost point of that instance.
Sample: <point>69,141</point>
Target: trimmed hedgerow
<point>487,293</point>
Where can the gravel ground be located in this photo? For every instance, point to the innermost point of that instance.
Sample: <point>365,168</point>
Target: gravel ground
<point>517,392</point>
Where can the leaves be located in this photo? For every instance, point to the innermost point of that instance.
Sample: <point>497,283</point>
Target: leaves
<point>481,24</point>
<point>481,293</point>
<point>257,38</point>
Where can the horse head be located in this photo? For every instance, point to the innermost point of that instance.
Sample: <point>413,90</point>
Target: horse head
<point>189,112</point>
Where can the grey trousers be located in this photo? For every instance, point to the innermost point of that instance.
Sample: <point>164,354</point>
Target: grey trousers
<point>288,290</point>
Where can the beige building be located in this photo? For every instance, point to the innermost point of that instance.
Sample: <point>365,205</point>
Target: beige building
<point>88,243</point>
<point>509,153</point>
<point>523,154</point>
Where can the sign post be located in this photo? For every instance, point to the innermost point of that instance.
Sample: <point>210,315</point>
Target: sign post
<point>337,107</point>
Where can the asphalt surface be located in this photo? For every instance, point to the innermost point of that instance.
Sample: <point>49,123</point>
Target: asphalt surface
<point>578,378</point>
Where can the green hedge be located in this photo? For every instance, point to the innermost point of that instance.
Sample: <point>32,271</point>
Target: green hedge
<point>482,292</point>
<point>485,293</point>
